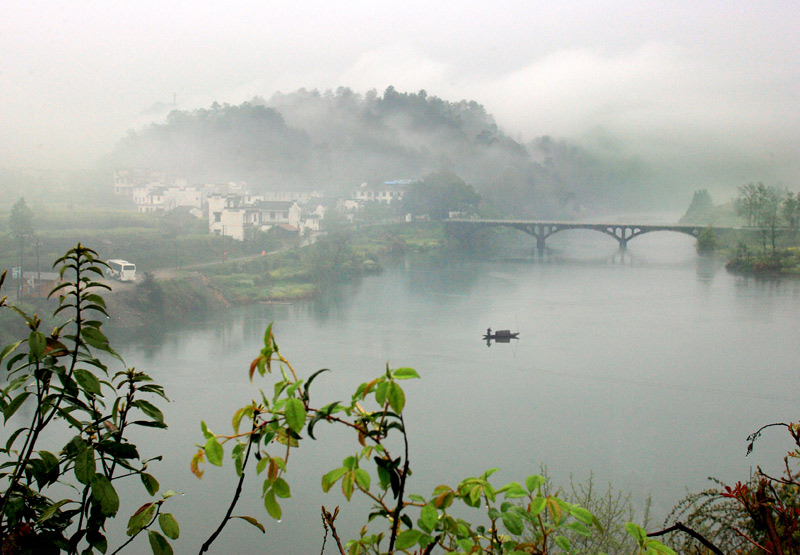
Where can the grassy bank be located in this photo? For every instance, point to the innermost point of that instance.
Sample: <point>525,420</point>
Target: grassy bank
<point>296,273</point>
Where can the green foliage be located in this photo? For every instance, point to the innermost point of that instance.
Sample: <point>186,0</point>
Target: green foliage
<point>63,384</point>
<point>706,241</point>
<point>438,194</point>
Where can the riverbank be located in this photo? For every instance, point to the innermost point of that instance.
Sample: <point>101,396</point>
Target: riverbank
<point>783,263</point>
<point>293,274</point>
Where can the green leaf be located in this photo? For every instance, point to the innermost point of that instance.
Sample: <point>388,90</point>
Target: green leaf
<point>88,381</point>
<point>405,374</point>
<point>513,523</point>
<point>332,477</point>
<point>103,492</point>
<point>214,451</point>
<point>271,505</point>
<point>85,466</point>
<point>12,407</point>
<point>281,488</point>
<point>348,484</point>
<point>428,518</point>
<point>407,539</point>
<point>37,343</point>
<point>362,478</point>
<point>295,414</point>
<point>141,518</point>
<point>169,526</point>
<point>208,434</point>
<point>118,450</point>
<point>534,482</point>
<point>95,338</point>
<point>8,349</point>
<point>658,547</point>
<point>513,491</point>
<point>563,543</point>
<point>252,521</point>
<point>51,511</point>
<point>380,392</point>
<point>579,528</point>
<point>239,414</point>
<point>158,543</point>
<point>150,410</point>
<point>397,399</point>
<point>537,506</point>
<point>582,514</point>
<point>150,483</point>
<point>636,532</point>
<point>311,379</point>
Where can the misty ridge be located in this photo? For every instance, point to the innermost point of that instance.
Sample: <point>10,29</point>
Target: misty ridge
<point>332,141</point>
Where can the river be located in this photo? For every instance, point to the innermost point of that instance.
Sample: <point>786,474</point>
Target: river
<point>647,368</point>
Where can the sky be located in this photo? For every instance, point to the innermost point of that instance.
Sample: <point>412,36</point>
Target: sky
<point>709,89</point>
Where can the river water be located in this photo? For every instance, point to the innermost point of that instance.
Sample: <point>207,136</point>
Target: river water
<point>647,368</point>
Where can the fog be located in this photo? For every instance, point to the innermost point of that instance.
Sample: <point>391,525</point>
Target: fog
<point>699,95</point>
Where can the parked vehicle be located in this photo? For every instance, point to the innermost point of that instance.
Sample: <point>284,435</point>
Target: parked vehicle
<point>122,270</point>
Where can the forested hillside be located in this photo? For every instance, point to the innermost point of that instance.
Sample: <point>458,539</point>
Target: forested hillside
<point>335,140</point>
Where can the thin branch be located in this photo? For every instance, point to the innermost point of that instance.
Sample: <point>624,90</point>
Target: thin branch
<point>403,478</point>
<point>236,495</point>
<point>327,520</point>
<point>431,545</point>
<point>696,535</point>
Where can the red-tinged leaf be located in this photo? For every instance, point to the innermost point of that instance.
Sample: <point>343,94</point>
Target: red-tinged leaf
<point>195,465</point>
<point>252,521</point>
<point>254,365</point>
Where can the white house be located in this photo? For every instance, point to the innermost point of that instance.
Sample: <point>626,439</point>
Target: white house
<point>230,215</point>
<point>388,192</point>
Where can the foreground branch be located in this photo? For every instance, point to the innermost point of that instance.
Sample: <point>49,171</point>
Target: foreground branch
<point>679,526</point>
<point>236,495</point>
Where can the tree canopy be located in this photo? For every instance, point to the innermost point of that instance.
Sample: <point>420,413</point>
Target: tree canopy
<point>439,194</point>
<point>20,222</point>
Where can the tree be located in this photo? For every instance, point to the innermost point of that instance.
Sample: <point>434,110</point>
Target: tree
<point>790,209</point>
<point>20,222</point>
<point>747,202</point>
<point>706,241</point>
<point>440,193</point>
<point>700,207</point>
<point>763,208</point>
<point>768,218</point>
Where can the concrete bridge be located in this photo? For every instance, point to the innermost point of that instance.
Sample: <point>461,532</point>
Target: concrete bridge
<point>541,230</point>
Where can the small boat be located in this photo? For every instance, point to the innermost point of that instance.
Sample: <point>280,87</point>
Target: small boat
<point>499,336</point>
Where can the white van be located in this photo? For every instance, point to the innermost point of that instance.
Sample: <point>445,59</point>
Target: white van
<point>122,270</point>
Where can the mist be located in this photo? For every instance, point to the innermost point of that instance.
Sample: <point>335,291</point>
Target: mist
<point>693,96</point>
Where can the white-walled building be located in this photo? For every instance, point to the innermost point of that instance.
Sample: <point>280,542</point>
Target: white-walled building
<point>232,216</point>
<point>388,192</point>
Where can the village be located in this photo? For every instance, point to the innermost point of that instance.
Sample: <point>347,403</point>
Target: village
<point>234,211</point>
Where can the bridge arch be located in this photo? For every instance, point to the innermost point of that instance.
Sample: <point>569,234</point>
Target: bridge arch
<point>622,233</point>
